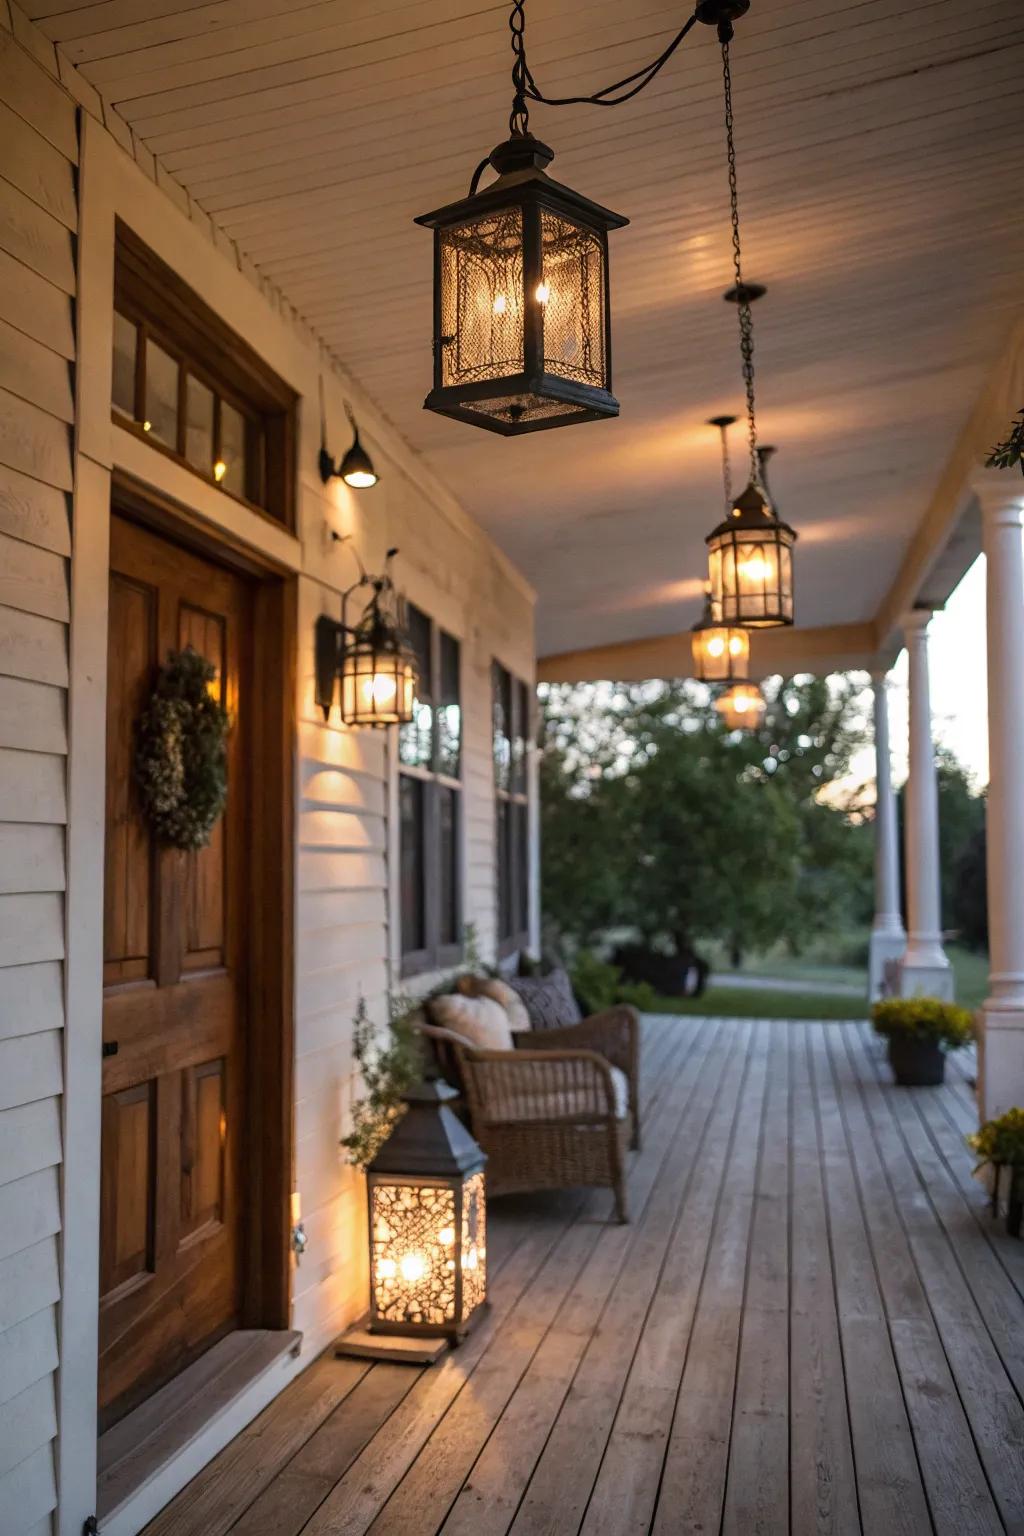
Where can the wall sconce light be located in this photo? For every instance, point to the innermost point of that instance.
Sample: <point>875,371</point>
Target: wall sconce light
<point>356,467</point>
<point>372,656</point>
<point>426,1213</point>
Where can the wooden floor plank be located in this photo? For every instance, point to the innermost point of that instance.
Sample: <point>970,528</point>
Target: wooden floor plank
<point>811,1328</point>
<point>823,1485</point>
<point>958,1493</point>
<point>890,1492</point>
<point>692,1492</point>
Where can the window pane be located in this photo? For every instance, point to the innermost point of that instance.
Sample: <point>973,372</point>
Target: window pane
<point>126,340</point>
<point>449,714</point>
<point>522,727</point>
<point>522,865</point>
<point>504,892</point>
<point>161,418</point>
<point>416,739</point>
<point>502,726</point>
<point>199,425</point>
<point>448,895</point>
<point>410,792</point>
<point>232,449</point>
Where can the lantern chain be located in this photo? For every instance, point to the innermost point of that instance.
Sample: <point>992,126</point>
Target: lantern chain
<point>525,87</point>
<point>742,300</point>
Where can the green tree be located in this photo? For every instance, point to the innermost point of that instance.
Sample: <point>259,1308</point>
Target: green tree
<point>656,818</point>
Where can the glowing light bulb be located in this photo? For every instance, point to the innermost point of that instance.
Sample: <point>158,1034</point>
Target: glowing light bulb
<point>147,426</point>
<point>413,1267</point>
<point>543,293</point>
<point>735,645</point>
<point>500,304</point>
<point>359,479</point>
<point>220,469</point>
<point>755,569</point>
<point>380,689</point>
<point>387,1269</point>
<point>446,1237</point>
<point>716,645</point>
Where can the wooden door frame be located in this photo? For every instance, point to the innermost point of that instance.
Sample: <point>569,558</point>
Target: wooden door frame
<point>268,1177</point>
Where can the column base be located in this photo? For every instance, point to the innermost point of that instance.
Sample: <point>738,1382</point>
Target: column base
<point>1000,1060</point>
<point>925,978</point>
<point>885,950</point>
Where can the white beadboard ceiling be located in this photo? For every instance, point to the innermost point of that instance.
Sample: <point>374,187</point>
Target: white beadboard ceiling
<point>881,155</point>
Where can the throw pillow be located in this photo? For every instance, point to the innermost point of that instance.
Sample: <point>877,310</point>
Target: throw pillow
<point>479,1020</point>
<point>549,1000</point>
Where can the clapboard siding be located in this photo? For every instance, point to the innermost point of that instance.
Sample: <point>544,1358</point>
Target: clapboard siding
<point>38,212</point>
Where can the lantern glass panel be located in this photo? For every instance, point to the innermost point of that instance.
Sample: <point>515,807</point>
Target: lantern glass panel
<point>377,686</point>
<point>474,1245</point>
<point>572,298</point>
<point>751,576</point>
<point>481,298</point>
<point>428,1253</point>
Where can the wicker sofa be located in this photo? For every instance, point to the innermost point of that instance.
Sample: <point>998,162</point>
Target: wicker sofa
<point>559,1109</point>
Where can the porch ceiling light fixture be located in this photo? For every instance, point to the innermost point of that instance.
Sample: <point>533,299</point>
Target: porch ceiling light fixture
<point>372,655</point>
<point>720,654</point>
<point>522,320</point>
<point>741,707</point>
<point>750,553</point>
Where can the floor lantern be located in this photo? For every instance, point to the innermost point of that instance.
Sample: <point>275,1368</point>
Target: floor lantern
<point>428,1233</point>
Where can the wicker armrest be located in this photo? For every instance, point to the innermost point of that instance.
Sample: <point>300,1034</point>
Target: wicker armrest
<point>522,1086</point>
<point>614,1033</point>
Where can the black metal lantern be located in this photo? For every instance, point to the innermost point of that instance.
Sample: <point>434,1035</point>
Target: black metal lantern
<point>427,1222</point>
<point>372,657</point>
<point>521,310</point>
<point>750,565</point>
<point>720,654</point>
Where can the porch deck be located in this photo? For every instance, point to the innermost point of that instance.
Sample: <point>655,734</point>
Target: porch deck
<point>810,1325</point>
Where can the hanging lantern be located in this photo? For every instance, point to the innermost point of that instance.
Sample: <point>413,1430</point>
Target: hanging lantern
<point>427,1222</point>
<point>521,309</point>
<point>720,654</point>
<point>750,554</point>
<point>373,657</point>
<point>741,707</point>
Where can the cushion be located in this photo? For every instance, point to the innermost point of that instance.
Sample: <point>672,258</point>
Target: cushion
<point>563,1105</point>
<point>500,991</point>
<point>480,1021</point>
<point>549,1000</point>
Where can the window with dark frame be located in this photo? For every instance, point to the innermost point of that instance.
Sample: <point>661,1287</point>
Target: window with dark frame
<point>511,717</point>
<point>188,385</point>
<point>430,803</point>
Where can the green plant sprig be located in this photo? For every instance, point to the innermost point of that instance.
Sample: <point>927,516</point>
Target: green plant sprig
<point>925,1019</point>
<point>1000,1140</point>
<point>1011,450</point>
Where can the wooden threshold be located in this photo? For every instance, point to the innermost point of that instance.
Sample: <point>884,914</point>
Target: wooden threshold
<point>219,1391</point>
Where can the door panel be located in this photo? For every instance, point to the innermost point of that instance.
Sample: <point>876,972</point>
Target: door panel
<point>174,1018</point>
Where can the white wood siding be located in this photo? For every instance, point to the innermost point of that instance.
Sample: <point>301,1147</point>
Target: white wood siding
<point>38,216</point>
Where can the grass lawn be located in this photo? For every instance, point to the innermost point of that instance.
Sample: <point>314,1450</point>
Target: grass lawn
<point>750,1003</point>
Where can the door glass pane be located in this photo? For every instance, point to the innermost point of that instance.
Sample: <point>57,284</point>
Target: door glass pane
<point>126,340</point>
<point>232,450</point>
<point>199,425</point>
<point>448,808</point>
<point>161,419</point>
<point>449,714</point>
<point>411,794</point>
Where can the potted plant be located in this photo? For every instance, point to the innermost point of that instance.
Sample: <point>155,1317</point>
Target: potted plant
<point>1000,1148</point>
<point>920,1030</point>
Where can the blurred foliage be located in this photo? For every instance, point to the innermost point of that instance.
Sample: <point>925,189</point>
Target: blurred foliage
<point>961,850</point>
<point>657,820</point>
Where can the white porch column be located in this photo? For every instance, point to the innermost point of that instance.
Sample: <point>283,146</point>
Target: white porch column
<point>924,969</point>
<point>1001,1046</point>
<point>888,936</point>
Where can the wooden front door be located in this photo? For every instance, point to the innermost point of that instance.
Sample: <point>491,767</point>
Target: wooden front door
<point>174,1014</point>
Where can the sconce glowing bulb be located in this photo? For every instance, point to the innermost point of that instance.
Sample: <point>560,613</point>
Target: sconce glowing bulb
<point>716,646</point>
<point>220,469</point>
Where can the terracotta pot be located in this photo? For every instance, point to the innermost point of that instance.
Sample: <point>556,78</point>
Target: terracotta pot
<point>916,1063</point>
